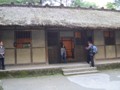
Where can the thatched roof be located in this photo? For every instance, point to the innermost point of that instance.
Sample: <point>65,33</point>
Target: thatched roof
<point>29,16</point>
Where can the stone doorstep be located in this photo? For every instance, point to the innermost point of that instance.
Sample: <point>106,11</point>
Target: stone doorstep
<point>76,66</point>
<point>79,69</point>
<point>79,73</point>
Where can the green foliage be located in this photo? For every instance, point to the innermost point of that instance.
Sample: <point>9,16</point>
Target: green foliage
<point>29,73</point>
<point>18,1</point>
<point>111,5</point>
<point>77,3</point>
<point>82,3</point>
<point>114,5</point>
<point>108,66</point>
<point>88,4</point>
<point>6,1</point>
<point>1,88</point>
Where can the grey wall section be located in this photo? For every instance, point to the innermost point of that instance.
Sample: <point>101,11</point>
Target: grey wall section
<point>110,51</point>
<point>39,55</point>
<point>38,38</point>
<point>98,38</point>
<point>7,37</point>
<point>99,42</point>
<point>101,52</point>
<point>9,56</point>
<point>66,34</point>
<point>118,50</point>
<point>117,37</point>
<point>38,44</point>
<point>118,43</point>
<point>23,56</point>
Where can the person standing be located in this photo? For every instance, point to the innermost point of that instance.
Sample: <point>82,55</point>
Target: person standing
<point>2,52</point>
<point>90,53</point>
<point>63,53</point>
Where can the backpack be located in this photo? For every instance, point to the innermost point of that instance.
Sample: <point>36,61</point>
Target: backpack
<point>95,50</point>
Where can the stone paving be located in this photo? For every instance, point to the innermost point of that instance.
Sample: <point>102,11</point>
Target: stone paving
<point>105,80</point>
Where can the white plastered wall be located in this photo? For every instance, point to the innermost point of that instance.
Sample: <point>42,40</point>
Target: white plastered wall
<point>99,42</point>
<point>38,46</point>
<point>118,43</point>
<point>7,37</point>
<point>23,56</point>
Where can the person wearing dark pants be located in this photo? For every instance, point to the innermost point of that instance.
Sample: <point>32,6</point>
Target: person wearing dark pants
<point>2,51</point>
<point>92,60</point>
<point>90,56</point>
<point>2,63</point>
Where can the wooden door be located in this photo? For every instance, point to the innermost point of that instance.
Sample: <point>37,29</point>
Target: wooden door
<point>53,47</point>
<point>80,44</point>
<point>81,38</point>
<point>69,45</point>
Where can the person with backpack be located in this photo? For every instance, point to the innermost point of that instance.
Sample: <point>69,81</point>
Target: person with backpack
<point>92,50</point>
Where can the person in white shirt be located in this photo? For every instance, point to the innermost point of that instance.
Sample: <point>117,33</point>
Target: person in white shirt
<point>63,54</point>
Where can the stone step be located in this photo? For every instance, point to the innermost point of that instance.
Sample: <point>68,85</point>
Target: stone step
<point>76,66</point>
<point>79,69</point>
<point>80,72</point>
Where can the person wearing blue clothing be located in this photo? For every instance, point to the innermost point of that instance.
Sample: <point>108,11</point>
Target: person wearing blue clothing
<point>63,54</point>
<point>2,52</point>
<point>90,53</point>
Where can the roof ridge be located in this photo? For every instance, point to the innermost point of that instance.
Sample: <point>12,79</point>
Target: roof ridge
<point>61,7</point>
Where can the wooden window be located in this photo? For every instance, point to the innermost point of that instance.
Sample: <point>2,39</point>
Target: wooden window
<point>77,35</point>
<point>78,38</point>
<point>22,39</point>
<point>89,36</point>
<point>109,37</point>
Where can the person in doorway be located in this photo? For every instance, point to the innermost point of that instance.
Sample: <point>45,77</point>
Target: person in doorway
<point>63,53</point>
<point>2,52</point>
<point>90,56</point>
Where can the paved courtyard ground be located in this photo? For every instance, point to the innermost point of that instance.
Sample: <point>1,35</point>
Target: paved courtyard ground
<point>105,80</point>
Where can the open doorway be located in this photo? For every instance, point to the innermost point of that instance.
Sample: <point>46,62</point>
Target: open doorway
<point>69,45</point>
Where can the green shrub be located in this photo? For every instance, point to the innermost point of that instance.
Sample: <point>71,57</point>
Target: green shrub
<point>108,66</point>
<point>29,73</point>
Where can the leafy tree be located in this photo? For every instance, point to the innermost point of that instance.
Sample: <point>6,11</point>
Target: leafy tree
<point>6,1</point>
<point>17,1</point>
<point>82,3</point>
<point>111,5</point>
<point>88,4</point>
<point>77,3</point>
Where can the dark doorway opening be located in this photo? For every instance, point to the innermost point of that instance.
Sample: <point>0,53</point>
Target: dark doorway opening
<point>53,47</point>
